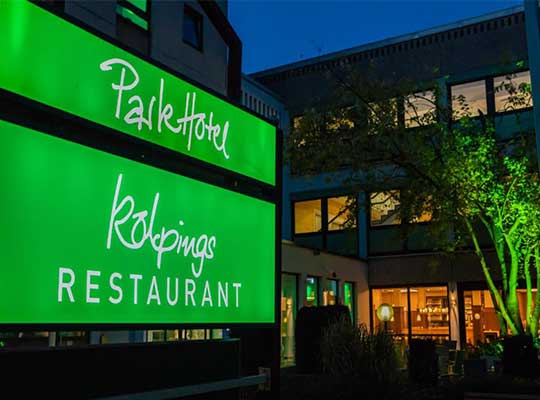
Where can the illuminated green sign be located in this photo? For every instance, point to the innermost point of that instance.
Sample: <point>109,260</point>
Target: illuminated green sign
<point>52,61</point>
<point>89,237</point>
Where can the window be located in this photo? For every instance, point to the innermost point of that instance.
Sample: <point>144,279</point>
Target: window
<point>384,207</point>
<point>330,293</point>
<point>469,99</point>
<point>429,312</point>
<point>397,299</point>
<point>420,109</point>
<point>288,317</point>
<point>312,291</point>
<point>348,298</point>
<point>134,11</point>
<point>339,215</point>
<point>513,91</point>
<point>307,216</point>
<point>193,28</point>
<point>481,322</point>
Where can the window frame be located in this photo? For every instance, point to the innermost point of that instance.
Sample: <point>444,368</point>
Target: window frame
<point>410,334</point>
<point>487,87</point>
<point>198,18</point>
<point>318,296</point>
<point>145,15</point>
<point>509,112</point>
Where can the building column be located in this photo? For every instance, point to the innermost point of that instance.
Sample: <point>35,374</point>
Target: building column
<point>532,26</point>
<point>362,223</point>
<point>341,289</point>
<point>453,313</point>
<point>302,290</point>
<point>52,339</point>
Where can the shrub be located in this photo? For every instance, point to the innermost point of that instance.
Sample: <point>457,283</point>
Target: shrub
<point>348,351</point>
<point>423,367</point>
<point>520,357</point>
<point>310,324</point>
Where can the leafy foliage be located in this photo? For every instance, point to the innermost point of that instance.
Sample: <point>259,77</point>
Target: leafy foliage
<point>350,351</point>
<point>449,164</point>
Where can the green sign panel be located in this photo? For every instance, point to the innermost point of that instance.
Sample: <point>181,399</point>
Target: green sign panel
<point>52,61</point>
<point>92,238</point>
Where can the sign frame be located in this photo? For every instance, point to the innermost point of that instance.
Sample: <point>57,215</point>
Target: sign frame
<point>51,121</point>
<point>186,156</point>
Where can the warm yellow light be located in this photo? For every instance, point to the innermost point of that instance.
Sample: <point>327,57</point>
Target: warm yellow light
<point>385,312</point>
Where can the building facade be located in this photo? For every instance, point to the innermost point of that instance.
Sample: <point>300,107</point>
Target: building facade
<point>326,278</point>
<point>432,295</point>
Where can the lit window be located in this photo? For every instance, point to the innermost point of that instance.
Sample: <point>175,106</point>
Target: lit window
<point>307,216</point>
<point>397,299</point>
<point>420,109</point>
<point>330,293</point>
<point>339,215</point>
<point>385,208</point>
<point>481,323</point>
<point>469,99</point>
<point>312,291</point>
<point>134,11</point>
<point>288,317</point>
<point>429,311</point>
<point>512,92</point>
<point>193,28</point>
<point>426,214</point>
<point>382,115</point>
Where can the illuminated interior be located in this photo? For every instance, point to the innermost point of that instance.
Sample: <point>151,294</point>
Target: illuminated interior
<point>307,216</point>
<point>339,216</point>
<point>384,207</point>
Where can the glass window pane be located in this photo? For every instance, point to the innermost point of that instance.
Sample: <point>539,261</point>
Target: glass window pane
<point>420,109</point>
<point>397,299</point>
<point>384,208</point>
<point>130,15</point>
<point>172,335</point>
<point>473,95</point>
<point>339,216</point>
<point>312,291</point>
<point>429,312</point>
<point>194,334</point>
<point>512,92</point>
<point>288,317</point>
<point>348,298</point>
<point>192,28</point>
<point>481,323</point>
<point>155,335</point>
<point>307,216</point>
<point>330,292</point>
<point>140,4</point>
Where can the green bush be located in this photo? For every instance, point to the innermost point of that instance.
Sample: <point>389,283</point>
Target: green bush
<point>349,351</point>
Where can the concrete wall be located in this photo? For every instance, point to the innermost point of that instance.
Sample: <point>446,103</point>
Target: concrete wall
<point>208,67</point>
<point>304,262</point>
<point>431,268</point>
<point>463,52</point>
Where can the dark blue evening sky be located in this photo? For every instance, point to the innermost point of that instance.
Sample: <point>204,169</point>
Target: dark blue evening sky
<point>276,32</point>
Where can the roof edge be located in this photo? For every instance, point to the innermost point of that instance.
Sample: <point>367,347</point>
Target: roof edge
<point>390,41</point>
